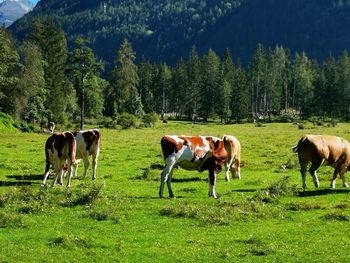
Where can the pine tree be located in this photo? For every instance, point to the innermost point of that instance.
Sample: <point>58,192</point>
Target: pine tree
<point>257,79</point>
<point>304,84</point>
<point>163,89</point>
<point>9,67</point>
<point>32,85</point>
<point>226,86</point>
<point>240,94</point>
<point>124,82</point>
<point>146,72</point>
<point>53,45</point>
<point>210,83</point>
<point>194,76</point>
<point>84,71</point>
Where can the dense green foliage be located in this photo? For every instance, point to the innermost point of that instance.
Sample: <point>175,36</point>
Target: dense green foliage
<point>264,217</point>
<point>165,30</point>
<point>45,81</point>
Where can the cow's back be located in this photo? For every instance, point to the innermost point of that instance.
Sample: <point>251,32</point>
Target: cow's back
<point>327,147</point>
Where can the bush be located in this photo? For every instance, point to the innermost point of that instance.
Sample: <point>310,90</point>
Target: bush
<point>6,123</point>
<point>150,119</point>
<point>127,120</point>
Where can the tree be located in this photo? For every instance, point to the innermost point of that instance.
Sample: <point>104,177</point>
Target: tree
<point>257,73</point>
<point>32,84</point>
<point>53,45</point>
<point>194,76</point>
<point>225,86</point>
<point>84,73</point>
<point>163,89</point>
<point>9,67</point>
<point>303,86</point>
<point>240,94</point>
<point>146,72</point>
<point>210,83</point>
<point>124,82</point>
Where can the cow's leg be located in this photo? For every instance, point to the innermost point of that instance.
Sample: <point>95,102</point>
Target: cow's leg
<point>314,167</point>
<point>228,168</point>
<point>166,173</point>
<point>303,170</point>
<point>86,164</point>
<point>94,166</point>
<point>57,171</point>
<point>342,176</point>
<point>341,170</point>
<point>212,182</point>
<point>47,172</point>
<point>236,170</point>
<point>69,172</point>
<point>75,169</point>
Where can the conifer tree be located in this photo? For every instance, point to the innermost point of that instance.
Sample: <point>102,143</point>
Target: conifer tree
<point>9,67</point>
<point>124,81</point>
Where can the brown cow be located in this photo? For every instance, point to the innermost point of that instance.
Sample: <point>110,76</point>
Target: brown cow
<point>233,149</point>
<point>60,149</point>
<point>192,153</point>
<point>323,150</point>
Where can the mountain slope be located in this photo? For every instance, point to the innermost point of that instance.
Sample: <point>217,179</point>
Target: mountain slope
<point>11,10</point>
<point>165,30</point>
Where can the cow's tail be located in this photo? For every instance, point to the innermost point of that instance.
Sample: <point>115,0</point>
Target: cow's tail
<point>72,145</point>
<point>97,136</point>
<point>48,146</point>
<point>297,147</point>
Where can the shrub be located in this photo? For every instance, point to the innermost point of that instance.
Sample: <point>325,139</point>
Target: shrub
<point>150,119</point>
<point>127,120</point>
<point>85,196</point>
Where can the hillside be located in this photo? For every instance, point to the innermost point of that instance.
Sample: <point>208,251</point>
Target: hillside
<point>165,30</point>
<point>11,10</point>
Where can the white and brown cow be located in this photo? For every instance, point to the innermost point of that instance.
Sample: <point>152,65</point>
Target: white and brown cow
<point>192,153</point>
<point>323,150</point>
<point>88,143</point>
<point>60,151</point>
<point>233,149</point>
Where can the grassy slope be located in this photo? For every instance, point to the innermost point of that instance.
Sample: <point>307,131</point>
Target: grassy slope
<point>192,227</point>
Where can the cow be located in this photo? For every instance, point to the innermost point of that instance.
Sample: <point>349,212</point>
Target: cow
<point>60,151</point>
<point>233,149</point>
<point>323,150</point>
<point>192,153</point>
<point>88,143</point>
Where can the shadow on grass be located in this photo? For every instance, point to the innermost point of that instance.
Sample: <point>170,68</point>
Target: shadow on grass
<point>319,192</point>
<point>184,180</point>
<point>245,190</point>
<point>5,183</point>
<point>29,177</point>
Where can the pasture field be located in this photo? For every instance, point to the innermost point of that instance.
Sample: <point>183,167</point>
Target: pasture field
<point>264,217</point>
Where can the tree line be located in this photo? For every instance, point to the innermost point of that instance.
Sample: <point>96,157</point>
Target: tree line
<point>41,80</point>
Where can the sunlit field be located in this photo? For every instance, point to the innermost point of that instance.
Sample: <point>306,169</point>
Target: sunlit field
<point>263,217</point>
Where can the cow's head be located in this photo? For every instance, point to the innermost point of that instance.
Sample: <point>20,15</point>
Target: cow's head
<point>214,158</point>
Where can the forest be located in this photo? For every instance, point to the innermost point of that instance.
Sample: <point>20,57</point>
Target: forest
<point>43,80</point>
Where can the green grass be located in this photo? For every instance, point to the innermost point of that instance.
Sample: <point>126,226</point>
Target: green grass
<point>264,217</point>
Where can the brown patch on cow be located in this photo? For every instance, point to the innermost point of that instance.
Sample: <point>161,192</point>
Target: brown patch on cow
<point>89,138</point>
<point>193,141</point>
<point>169,145</point>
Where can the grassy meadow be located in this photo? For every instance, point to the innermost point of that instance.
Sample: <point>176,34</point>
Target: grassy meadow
<point>264,217</point>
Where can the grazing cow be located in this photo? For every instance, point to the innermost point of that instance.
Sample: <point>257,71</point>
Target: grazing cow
<point>192,153</point>
<point>60,151</point>
<point>323,149</point>
<point>88,143</point>
<point>233,149</point>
